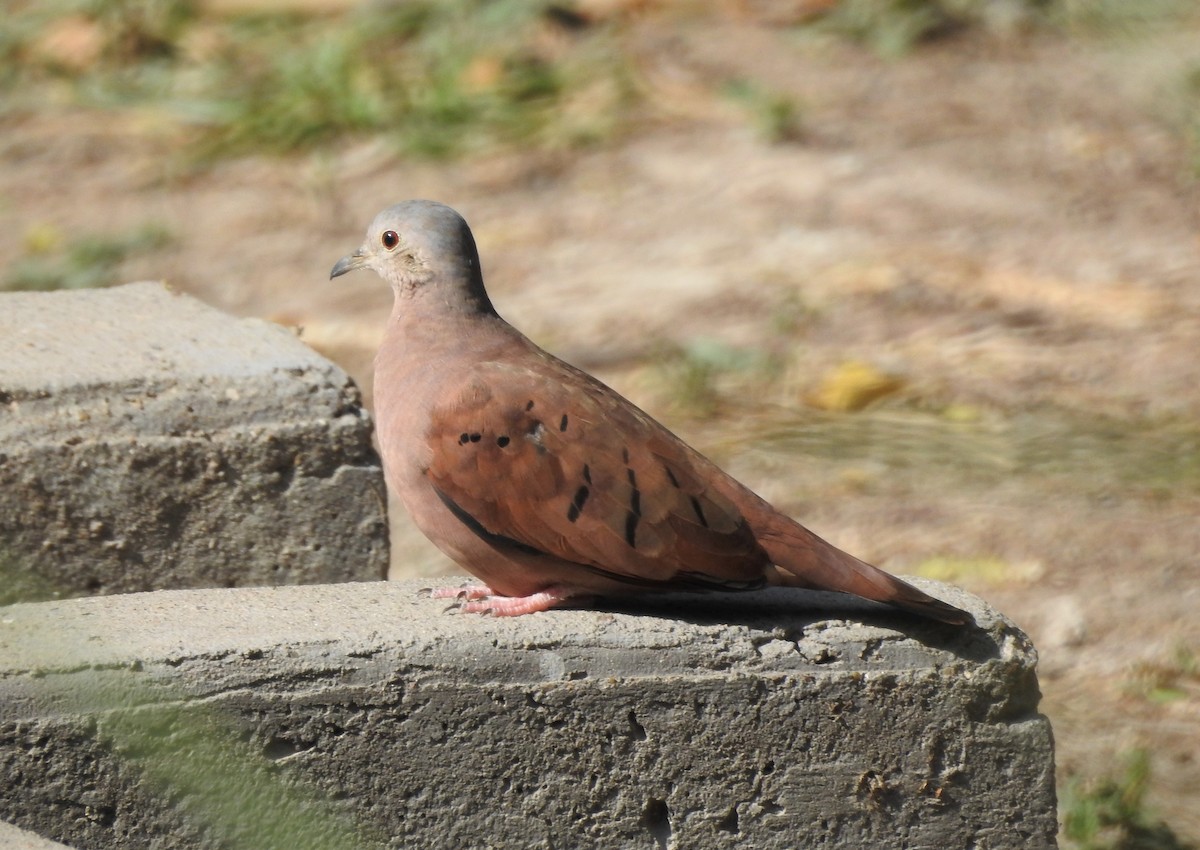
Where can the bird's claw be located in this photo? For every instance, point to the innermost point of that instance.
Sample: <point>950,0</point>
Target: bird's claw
<point>467,592</point>
<point>483,607</point>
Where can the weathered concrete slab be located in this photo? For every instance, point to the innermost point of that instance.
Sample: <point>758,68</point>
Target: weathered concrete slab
<point>148,441</point>
<point>12,838</point>
<point>281,715</point>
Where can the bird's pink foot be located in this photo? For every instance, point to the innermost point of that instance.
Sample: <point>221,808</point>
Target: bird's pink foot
<point>480,599</point>
<point>515,606</point>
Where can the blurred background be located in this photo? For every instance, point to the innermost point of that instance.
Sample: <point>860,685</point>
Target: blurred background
<point>925,273</point>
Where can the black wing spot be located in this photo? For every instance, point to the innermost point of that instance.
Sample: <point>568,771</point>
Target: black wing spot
<point>502,441</point>
<point>671,477</point>
<point>625,456</point>
<point>587,474</point>
<point>699,511</point>
<point>581,497</point>
<point>463,439</point>
<point>475,438</point>
<point>529,405</point>
<point>562,424</point>
<point>631,524</point>
<point>635,510</point>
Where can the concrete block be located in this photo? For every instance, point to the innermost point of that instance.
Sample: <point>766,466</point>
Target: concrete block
<point>12,838</point>
<point>148,441</point>
<point>364,715</point>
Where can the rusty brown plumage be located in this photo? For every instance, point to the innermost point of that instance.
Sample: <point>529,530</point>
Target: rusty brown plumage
<point>543,482</point>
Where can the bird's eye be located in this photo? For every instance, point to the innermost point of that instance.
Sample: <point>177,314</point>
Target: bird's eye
<point>390,239</point>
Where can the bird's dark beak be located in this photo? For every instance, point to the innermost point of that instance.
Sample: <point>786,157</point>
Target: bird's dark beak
<point>348,264</point>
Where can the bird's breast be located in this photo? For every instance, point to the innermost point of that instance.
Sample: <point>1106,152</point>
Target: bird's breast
<point>406,386</point>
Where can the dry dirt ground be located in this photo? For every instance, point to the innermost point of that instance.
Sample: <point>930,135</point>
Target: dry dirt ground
<point>1011,229</point>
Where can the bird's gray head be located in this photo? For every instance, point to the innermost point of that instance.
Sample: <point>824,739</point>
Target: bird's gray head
<point>419,245</point>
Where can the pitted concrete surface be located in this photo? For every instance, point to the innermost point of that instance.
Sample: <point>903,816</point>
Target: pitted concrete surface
<point>367,715</point>
<point>148,441</point>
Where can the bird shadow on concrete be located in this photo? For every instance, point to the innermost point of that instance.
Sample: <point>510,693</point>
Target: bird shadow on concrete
<point>803,612</point>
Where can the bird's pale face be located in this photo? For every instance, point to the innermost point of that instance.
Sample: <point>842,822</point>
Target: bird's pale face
<point>385,250</point>
<point>420,247</point>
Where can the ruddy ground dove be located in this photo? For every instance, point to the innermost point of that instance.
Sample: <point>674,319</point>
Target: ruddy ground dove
<point>541,481</point>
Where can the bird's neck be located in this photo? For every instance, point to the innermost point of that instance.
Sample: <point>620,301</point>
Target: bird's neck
<point>430,327</point>
<point>435,295</point>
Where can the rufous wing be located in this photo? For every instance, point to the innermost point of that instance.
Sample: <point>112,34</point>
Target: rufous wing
<point>543,456</point>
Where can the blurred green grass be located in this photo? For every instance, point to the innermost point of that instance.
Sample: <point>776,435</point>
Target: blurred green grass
<point>1111,812</point>
<point>439,78</point>
<point>892,28</point>
<point>857,416</point>
<point>53,260</point>
<point>1053,450</point>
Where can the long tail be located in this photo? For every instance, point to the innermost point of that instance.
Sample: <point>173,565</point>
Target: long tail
<point>805,560</point>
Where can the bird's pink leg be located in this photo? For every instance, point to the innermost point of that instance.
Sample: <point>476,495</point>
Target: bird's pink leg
<point>480,599</point>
